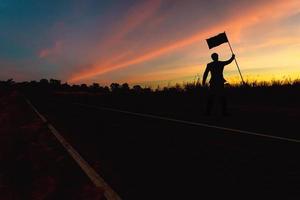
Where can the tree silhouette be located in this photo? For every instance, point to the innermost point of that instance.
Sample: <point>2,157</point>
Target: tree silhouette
<point>137,88</point>
<point>84,86</point>
<point>125,87</point>
<point>44,81</point>
<point>115,87</point>
<point>95,86</point>
<point>55,82</point>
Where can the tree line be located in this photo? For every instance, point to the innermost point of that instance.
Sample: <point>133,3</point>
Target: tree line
<point>57,85</point>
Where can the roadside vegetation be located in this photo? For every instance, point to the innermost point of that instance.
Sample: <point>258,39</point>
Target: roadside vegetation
<point>178,97</point>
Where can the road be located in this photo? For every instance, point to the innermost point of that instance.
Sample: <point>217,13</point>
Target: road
<point>145,158</point>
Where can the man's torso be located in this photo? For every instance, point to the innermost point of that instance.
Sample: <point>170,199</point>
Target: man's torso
<point>216,70</point>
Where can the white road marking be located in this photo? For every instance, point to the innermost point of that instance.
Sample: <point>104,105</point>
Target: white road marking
<point>229,130</point>
<point>98,181</point>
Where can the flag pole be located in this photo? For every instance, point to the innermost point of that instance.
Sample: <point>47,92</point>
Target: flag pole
<point>236,62</point>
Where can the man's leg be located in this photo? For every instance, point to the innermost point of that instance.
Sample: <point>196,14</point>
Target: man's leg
<point>209,104</point>
<point>224,105</point>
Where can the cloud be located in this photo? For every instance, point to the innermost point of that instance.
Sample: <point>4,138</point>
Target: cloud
<point>109,49</point>
<point>54,50</point>
<point>236,23</point>
<point>166,74</point>
<point>136,16</point>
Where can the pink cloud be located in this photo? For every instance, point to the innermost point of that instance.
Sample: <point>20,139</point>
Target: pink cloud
<point>136,16</point>
<point>44,53</point>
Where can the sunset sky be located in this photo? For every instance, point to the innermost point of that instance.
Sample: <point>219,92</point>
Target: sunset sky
<point>147,42</point>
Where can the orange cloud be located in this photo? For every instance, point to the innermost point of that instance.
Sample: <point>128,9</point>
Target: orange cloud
<point>136,16</point>
<point>166,74</point>
<point>140,59</point>
<point>235,24</point>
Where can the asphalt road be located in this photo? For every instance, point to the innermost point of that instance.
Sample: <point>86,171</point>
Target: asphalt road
<point>143,158</point>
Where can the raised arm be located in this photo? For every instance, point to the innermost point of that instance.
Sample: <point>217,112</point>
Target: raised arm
<point>205,74</point>
<point>230,60</point>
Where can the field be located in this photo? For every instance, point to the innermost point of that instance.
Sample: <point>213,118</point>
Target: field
<point>159,145</point>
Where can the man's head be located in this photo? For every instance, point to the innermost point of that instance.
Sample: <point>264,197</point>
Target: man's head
<point>215,56</point>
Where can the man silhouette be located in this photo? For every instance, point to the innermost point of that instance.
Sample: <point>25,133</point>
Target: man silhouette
<point>216,83</point>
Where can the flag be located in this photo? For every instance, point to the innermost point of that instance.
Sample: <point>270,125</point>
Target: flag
<point>217,40</point>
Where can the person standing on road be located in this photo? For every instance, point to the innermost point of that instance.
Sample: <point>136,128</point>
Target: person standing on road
<point>216,83</point>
